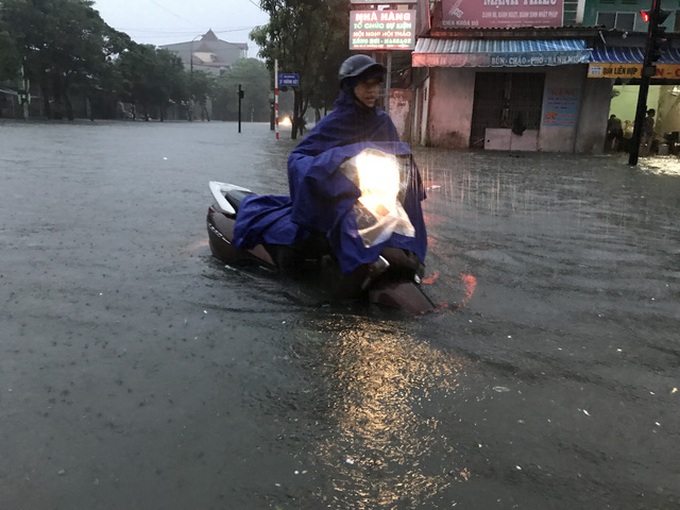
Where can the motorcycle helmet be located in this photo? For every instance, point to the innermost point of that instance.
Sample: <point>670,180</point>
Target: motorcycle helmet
<point>357,68</point>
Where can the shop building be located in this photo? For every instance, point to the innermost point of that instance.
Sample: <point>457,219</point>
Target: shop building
<point>617,58</point>
<point>514,75</point>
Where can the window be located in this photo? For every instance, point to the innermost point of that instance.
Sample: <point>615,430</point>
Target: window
<point>618,20</point>
<point>625,20</point>
<point>606,19</point>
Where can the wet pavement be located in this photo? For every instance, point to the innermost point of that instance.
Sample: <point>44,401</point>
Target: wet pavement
<point>136,372</point>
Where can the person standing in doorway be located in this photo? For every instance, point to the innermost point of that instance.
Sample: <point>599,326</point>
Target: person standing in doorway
<point>646,145</point>
<point>614,133</point>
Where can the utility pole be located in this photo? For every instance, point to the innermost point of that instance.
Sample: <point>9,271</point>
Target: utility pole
<point>25,94</point>
<point>655,41</point>
<point>276,97</point>
<point>191,78</point>
<point>241,94</point>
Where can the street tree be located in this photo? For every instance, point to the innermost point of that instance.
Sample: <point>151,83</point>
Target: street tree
<point>309,37</point>
<point>10,61</point>
<point>201,88</point>
<point>66,47</point>
<point>152,78</point>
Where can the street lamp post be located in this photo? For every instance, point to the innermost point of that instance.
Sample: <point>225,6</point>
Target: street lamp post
<point>191,78</point>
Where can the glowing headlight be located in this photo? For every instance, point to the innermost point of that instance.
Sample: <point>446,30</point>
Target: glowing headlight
<point>378,181</point>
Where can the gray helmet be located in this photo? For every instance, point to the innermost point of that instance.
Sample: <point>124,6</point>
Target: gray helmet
<point>358,65</point>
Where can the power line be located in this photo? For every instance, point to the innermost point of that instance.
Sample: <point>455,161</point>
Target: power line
<point>171,12</point>
<point>185,32</point>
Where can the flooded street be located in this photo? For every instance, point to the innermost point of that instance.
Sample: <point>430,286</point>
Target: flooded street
<point>137,372</point>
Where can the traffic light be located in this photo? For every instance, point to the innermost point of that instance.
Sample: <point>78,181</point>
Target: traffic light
<point>656,32</point>
<point>658,35</point>
<point>657,43</point>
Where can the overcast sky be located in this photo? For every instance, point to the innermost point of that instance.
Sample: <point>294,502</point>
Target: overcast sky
<point>170,21</point>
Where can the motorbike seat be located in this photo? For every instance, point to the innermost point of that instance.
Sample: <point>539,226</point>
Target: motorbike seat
<point>235,197</point>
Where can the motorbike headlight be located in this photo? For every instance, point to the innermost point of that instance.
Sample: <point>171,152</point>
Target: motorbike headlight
<point>378,180</point>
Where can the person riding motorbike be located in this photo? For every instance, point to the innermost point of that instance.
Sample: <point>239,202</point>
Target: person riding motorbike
<point>320,197</point>
<point>354,118</point>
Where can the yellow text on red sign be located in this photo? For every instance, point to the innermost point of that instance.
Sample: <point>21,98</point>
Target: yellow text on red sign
<point>610,70</point>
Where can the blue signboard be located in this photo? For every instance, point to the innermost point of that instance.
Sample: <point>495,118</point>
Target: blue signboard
<point>560,106</point>
<point>289,80</point>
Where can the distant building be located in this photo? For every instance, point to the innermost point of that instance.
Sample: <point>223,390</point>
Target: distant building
<point>209,53</point>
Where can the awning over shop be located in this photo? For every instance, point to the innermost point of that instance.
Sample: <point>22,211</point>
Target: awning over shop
<point>619,55</point>
<point>626,63</point>
<point>499,53</point>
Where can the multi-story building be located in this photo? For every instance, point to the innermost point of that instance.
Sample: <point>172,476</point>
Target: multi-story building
<point>520,75</point>
<point>209,53</point>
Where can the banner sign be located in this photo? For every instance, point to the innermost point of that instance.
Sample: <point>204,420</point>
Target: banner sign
<point>502,13</point>
<point>626,71</point>
<point>382,30</point>
<point>289,80</point>
<point>554,58</point>
<point>378,2</point>
<point>560,106</point>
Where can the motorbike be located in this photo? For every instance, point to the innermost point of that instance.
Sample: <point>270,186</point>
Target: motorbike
<point>389,277</point>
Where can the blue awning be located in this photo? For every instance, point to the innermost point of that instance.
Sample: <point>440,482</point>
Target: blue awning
<point>499,53</point>
<point>620,55</point>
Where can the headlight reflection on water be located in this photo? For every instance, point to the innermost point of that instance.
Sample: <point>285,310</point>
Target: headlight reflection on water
<point>386,447</point>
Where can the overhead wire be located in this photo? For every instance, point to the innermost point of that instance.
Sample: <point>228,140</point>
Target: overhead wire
<point>157,34</point>
<point>171,12</point>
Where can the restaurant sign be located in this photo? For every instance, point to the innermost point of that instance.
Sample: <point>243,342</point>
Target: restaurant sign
<point>627,71</point>
<point>382,30</point>
<point>502,13</point>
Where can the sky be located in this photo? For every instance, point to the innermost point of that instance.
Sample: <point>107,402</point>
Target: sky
<point>161,22</point>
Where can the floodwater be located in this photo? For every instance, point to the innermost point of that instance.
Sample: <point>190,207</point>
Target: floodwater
<point>137,372</point>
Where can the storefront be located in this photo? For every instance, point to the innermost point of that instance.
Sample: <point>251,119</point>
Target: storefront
<point>508,95</point>
<point>622,68</point>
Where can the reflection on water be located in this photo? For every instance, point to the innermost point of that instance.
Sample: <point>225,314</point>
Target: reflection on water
<point>529,196</point>
<point>479,197</point>
<point>663,165</point>
<point>385,448</point>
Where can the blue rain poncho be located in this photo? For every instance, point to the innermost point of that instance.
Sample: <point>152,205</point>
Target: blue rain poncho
<point>322,198</point>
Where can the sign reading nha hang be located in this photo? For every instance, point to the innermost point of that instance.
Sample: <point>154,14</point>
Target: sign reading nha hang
<point>382,30</point>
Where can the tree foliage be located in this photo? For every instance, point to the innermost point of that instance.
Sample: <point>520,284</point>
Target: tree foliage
<point>151,77</point>
<point>10,61</point>
<point>67,51</point>
<point>254,78</point>
<point>64,44</point>
<point>201,89</point>
<point>308,37</point>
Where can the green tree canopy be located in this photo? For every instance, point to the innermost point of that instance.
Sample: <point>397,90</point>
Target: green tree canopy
<point>255,80</point>
<point>65,44</point>
<point>152,77</point>
<point>10,61</point>
<point>201,88</point>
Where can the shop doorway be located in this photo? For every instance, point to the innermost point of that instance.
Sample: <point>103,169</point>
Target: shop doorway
<point>623,105</point>
<point>502,99</point>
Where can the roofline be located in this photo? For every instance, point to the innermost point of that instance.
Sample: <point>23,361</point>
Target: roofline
<point>515,33</point>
